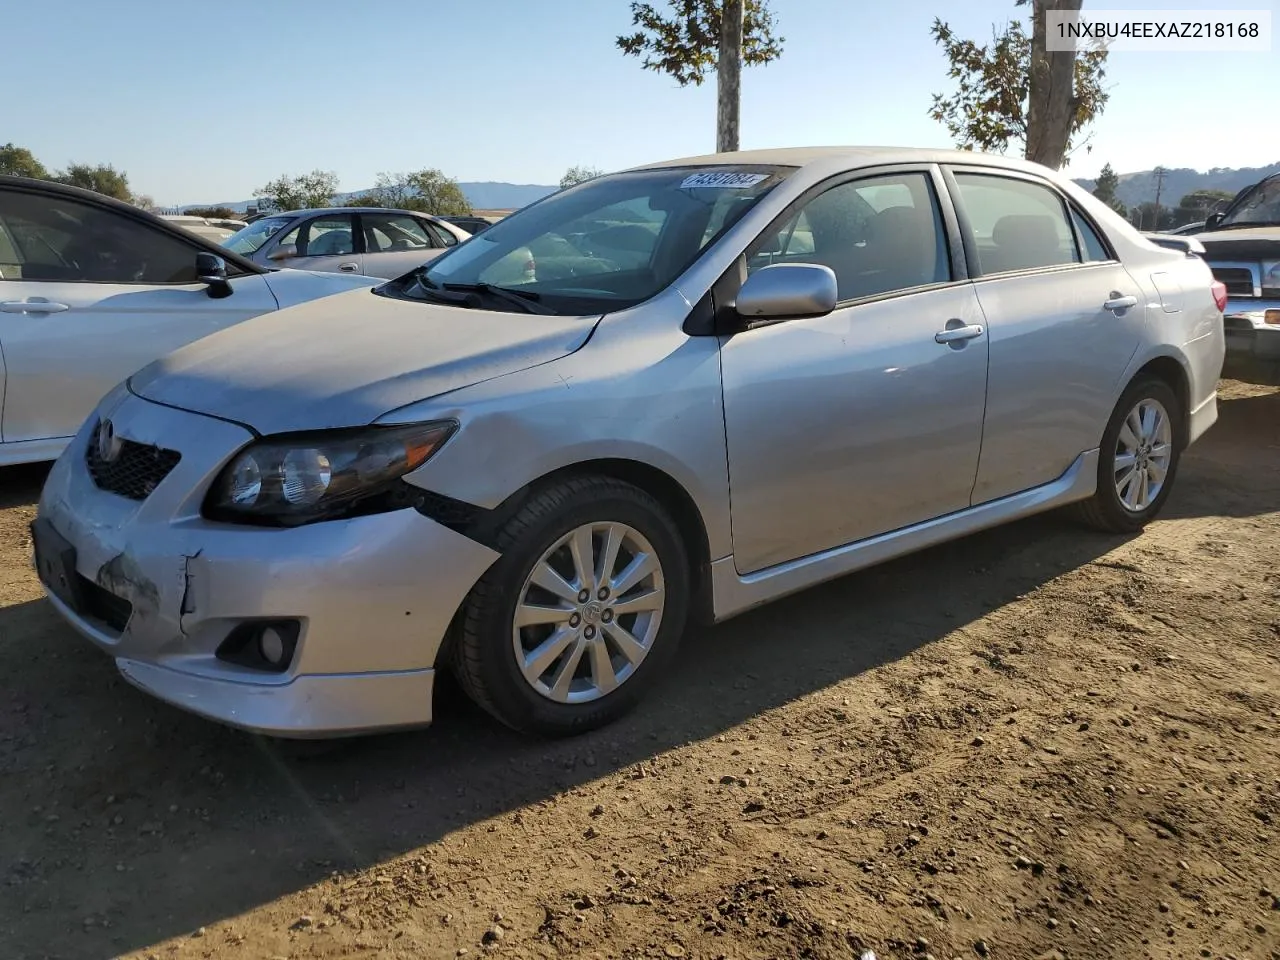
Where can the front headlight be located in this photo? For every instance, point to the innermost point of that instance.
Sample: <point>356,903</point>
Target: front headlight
<point>302,478</point>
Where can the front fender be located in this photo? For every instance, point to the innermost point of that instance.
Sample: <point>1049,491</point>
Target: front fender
<point>640,390</point>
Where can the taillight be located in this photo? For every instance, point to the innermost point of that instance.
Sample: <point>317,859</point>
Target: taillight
<point>1219,290</point>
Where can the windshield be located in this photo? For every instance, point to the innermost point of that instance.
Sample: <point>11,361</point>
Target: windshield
<point>252,237</point>
<point>1261,205</point>
<point>603,245</point>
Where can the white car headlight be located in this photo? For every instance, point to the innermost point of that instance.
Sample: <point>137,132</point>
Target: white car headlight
<point>303,478</point>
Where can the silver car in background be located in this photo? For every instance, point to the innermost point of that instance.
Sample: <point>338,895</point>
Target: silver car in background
<point>729,378</point>
<point>372,241</point>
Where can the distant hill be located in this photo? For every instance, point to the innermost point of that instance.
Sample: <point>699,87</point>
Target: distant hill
<point>485,195</point>
<point>1140,187</point>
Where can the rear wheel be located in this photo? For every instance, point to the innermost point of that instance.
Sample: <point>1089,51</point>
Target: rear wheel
<point>575,621</point>
<point>1138,458</point>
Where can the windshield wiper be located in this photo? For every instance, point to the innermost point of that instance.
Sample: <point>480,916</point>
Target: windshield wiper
<point>526,302</point>
<point>432,292</point>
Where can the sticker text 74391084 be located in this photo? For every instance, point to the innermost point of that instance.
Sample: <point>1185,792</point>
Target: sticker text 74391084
<point>724,179</point>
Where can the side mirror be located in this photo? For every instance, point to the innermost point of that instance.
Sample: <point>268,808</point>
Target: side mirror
<point>286,251</point>
<point>1214,219</point>
<point>211,269</point>
<point>787,291</point>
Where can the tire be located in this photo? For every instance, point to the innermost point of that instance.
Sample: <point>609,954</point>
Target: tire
<point>1106,510</point>
<point>484,655</point>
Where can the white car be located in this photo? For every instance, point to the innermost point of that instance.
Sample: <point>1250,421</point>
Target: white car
<point>216,229</point>
<point>92,290</point>
<point>374,241</point>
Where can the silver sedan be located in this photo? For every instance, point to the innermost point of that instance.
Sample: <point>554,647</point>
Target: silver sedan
<point>676,392</point>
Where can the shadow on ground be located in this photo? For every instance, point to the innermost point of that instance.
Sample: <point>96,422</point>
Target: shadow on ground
<point>215,822</point>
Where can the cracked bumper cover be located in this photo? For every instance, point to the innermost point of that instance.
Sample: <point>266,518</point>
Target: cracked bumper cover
<point>374,595</point>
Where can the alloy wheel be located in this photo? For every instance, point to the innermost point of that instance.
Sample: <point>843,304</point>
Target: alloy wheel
<point>1144,451</point>
<point>588,613</point>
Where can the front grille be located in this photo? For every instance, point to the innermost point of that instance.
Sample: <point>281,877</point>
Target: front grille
<point>1238,280</point>
<point>134,472</point>
<point>104,606</point>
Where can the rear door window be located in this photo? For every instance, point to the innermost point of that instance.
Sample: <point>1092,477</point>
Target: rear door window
<point>1015,224</point>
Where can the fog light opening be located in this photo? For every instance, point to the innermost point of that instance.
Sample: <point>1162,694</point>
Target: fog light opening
<point>267,645</point>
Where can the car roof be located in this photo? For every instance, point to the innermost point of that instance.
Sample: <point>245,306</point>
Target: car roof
<point>32,185</point>
<point>310,211</point>
<point>853,156</point>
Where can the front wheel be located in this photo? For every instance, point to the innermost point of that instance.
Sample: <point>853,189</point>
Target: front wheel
<point>578,617</point>
<point>1138,458</point>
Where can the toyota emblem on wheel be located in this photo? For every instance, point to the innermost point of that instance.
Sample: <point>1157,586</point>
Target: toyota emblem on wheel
<point>106,442</point>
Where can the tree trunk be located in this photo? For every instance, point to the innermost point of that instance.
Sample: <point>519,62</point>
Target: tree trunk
<point>729,76</point>
<point>1052,103</point>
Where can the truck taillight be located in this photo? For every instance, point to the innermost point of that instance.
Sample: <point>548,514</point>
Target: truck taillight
<point>1219,294</point>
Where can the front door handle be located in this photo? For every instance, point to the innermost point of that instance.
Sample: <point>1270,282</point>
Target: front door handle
<point>349,267</point>
<point>1118,302</point>
<point>32,306</point>
<point>955,334</point>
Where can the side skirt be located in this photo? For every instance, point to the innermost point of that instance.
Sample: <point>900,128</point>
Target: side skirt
<point>733,594</point>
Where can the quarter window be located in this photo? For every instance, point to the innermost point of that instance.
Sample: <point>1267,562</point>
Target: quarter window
<point>48,237</point>
<point>878,235</point>
<point>1094,249</point>
<point>1015,224</point>
<point>443,236</point>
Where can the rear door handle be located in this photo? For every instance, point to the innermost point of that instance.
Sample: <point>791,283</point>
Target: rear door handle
<point>32,306</point>
<point>954,334</point>
<point>349,267</point>
<point>1118,302</point>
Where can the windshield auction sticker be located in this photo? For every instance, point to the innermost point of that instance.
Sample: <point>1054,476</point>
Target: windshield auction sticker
<point>723,179</point>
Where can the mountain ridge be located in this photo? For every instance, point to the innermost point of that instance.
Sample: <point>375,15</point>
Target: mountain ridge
<point>1140,186</point>
<point>1133,189</point>
<point>481,194</point>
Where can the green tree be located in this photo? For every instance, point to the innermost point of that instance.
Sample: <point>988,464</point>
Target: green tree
<point>1148,216</point>
<point>103,178</point>
<point>696,37</point>
<point>426,191</point>
<point>213,213</point>
<point>1105,189</point>
<point>144,202</point>
<point>575,175</point>
<point>1015,91</point>
<point>18,161</point>
<point>303,192</point>
<point>1198,204</point>
<point>1205,200</point>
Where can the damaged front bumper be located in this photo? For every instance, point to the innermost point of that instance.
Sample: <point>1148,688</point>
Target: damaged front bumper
<point>373,595</point>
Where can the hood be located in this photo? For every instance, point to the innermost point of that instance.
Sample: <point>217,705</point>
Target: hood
<point>291,287</point>
<point>1247,243</point>
<point>347,359</point>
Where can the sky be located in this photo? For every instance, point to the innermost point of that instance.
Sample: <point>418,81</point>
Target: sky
<point>206,102</point>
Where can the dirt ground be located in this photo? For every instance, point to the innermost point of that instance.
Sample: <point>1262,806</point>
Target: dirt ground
<point>1037,742</point>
